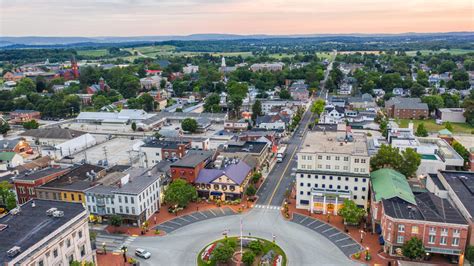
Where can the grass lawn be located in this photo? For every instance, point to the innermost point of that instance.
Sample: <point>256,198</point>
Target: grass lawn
<point>451,51</point>
<point>267,246</point>
<point>95,52</point>
<point>431,126</point>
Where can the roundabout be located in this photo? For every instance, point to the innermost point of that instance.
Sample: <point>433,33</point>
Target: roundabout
<point>301,245</point>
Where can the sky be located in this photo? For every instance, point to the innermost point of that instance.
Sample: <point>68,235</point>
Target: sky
<point>183,17</point>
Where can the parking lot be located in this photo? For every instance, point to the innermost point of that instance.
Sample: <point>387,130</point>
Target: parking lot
<point>117,150</point>
<point>176,223</point>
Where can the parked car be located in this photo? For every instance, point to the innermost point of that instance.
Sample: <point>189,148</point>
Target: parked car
<point>142,253</point>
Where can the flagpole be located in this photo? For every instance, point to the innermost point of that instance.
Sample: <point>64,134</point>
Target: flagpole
<point>241,236</point>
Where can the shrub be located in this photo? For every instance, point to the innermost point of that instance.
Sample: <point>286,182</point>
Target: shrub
<point>157,232</point>
<point>248,257</point>
<point>256,247</point>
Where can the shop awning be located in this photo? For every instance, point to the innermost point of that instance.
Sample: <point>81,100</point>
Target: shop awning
<point>216,193</point>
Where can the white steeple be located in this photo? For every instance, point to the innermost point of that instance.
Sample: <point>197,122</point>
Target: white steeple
<point>223,62</point>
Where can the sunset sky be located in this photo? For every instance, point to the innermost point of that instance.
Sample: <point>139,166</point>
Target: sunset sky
<point>182,17</point>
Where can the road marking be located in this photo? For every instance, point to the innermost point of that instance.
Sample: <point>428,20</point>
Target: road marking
<point>305,218</point>
<point>335,234</point>
<point>222,211</point>
<point>205,216</point>
<point>165,226</point>
<point>348,245</point>
<point>311,223</point>
<point>182,218</point>
<point>173,222</point>
<point>342,239</point>
<point>193,217</point>
<point>327,230</point>
<point>319,226</point>
<point>212,212</point>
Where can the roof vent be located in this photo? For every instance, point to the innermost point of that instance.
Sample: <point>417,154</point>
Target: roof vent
<point>3,227</point>
<point>50,211</point>
<point>58,214</point>
<point>15,211</point>
<point>33,204</point>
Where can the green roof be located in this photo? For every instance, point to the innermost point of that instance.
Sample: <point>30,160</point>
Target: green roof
<point>7,156</point>
<point>388,183</point>
<point>445,132</point>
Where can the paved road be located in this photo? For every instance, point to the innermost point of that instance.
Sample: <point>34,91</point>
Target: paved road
<point>302,245</point>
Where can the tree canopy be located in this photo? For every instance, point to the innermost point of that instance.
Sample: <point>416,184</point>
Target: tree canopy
<point>413,248</point>
<point>189,125</point>
<point>351,213</point>
<point>406,162</point>
<point>180,193</point>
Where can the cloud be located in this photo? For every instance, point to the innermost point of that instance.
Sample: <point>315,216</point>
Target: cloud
<point>171,17</point>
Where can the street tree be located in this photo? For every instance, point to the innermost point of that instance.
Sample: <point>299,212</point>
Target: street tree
<point>222,253</point>
<point>413,248</point>
<point>116,220</point>
<point>411,161</point>
<point>4,128</point>
<point>180,193</point>
<point>256,246</point>
<point>31,124</point>
<point>256,110</point>
<point>248,258</point>
<point>7,196</point>
<point>318,106</point>
<point>189,125</point>
<point>250,191</point>
<point>351,213</point>
<point>211,104</point>
<point>470,254</point>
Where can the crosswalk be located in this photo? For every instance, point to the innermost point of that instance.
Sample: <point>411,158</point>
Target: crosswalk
<point>113,242</point>
<point>270,207</point>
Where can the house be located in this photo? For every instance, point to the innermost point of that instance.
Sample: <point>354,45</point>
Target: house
<point>364,101</point>
<point>269,105</point>
<point>406,108</point>
<point>332,115</point>
<point>399,92</point>
<point>35,165</point>
<point>228,183</point>
<point>22,116</point>
<point>345,89</point>
<point>10,160</point>
<point>332,165</point>
<point>453,115</point>
<point>270,122</point>
<point>150,82</point>
<point>155,151</point>
<point>273,67</point>
<point>16,76</point>
<point>94,88</point>
<point>46,232</point>
<point>236,126</point>
<point>27,182</point>
<point>190,69</point>
<point>71,186</point>
<point>189,166</point>
<point>18,145</point>
<point>299,91</point>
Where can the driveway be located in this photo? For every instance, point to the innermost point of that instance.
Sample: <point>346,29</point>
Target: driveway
<point>302,245</point>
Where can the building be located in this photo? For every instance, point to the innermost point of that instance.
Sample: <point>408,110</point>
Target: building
<point>15,77</point>
<point>273,122</point>
<point>22,116</point>
<point>228,183</point>
<point>269,105</point>
<point>273,67</point>
<point>453,115</point>
<point>432,219</point>
<point>299,91</point>
<point>333,115</point>
<point>155,151</point>
<point>124,117</point>
<point>406,108</point>
<point>51,136</point>
<point>69,147</point>
<point>150,82</point>
<point>190,69</point>
<point>458,187</point>
<point>71,186</point>
<point>10,160</point>
<point>236,126</point>
<point>44,232</point>
<point>136,197</point>
<point>259,151</point>
<point>95,88</point>
<point>364,101</point>
<point>332,165</point>
<point>26,183</point>
<point>35,165</point>
<point>189,166</point>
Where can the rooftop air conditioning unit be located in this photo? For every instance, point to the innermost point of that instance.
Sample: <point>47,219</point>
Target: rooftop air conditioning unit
<point>15,211</point>
<point>14,251</point>
<point>58,214</point>
<point>50,211</point>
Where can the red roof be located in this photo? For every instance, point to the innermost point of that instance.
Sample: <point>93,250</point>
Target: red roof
<point>153,71</point>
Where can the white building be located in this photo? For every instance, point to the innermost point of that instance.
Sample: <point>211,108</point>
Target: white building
<point>267,106</point>
<point>45,232</point>
<point>69,147</point>
<point>333,165</point>
<point>190,69</point>
<point>267,67</point>
<point>136,198</point>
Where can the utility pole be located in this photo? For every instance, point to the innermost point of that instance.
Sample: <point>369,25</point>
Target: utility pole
<point>105,153</point>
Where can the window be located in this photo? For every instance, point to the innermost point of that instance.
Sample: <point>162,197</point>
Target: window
<point>336,167</point>
<point>330,177</point>
<point>80,197</point>
<point>310,157</point>
<point>328,157</point>
<point>414,229</point>
<point>346,187</point>
<point>316,176</point>
<point>363,188</point>
<point>126,199</point>
<point>127,209</point>
<point>303,166</point>
<point>362,161</point>
<point>443,240</point>
<point>444,231</point>
<point>72,197</point>
<point>456,232</point>
<point>324,177</point>
<point>120,199</point>
<point>338,158</point>
<point>133,210</point>
<point>309,185</point>
<point>401,228</point>
<point>301,184</point>
<point>355,188</point>
<point>65,195</point>
<point>309,176</point>
<point>356,170</point>
<point>363,179</point>
<point>328,167</point>
<point>320,166</point>
<point>363,197</point>
<point>83,251</point>
<point>41,263</point>
<point>362,170</point>
<point>455,241</point>
<point>356,160</point>
<point>432,230</point>
<point>301,192</point>
<point>346,159</point>
<point>308,193</point>
<point>323,185</point>
<point>355,197</point>
<point>431,239</point>
<point>400,239</point>
<point>356,179</point>
<point>68,242</point>
<point>320,157</point>
<point>55,253</point>
<point>315,185</point>
<point>303,157</point>
<point>121,209</point>
<point>80,233</point>
<point>346,167</point>
<point>301,175</point>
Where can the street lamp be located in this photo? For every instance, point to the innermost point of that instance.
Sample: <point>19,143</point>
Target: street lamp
<point>103,247</point>
<point>362,234</point>
<point>124,252</point>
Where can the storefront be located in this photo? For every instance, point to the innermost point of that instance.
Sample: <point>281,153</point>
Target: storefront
<point>328,200</point>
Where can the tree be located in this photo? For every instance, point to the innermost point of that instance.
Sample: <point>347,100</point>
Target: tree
<point>235,102</point>
<point>256,247</point>
<point>411,161</point>
<point>222,253</point>
<point>100,101</point>
<point>470,254</point>
<point>248,258</point>
<point>285,94</point>
<point>416,90</point>
<point>116,220</point>
<point>256,110</point>
<point>433,101</point>
<point>31,124</point>
<point>461,150</point>
<point>250,191</point>
<point>180,193</point>
<point>134,126</point>
<point>468,105</point>
<point>421,131</point>
<point>386,157</point>
<point>189,125</point>
<point>148,102</point>
<point>256,177</point>
<point>7,196</point>
<point>81,263</point>
<point>384,126</point>
<point>24,87</point>
<point>4,128</point>
<point>211,104</point>
<point>448,126</point>
<point>318,106</point>
<point>413,248</point>
<point>351,213</point>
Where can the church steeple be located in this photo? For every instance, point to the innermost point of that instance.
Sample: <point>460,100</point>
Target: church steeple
<point>223,62</point>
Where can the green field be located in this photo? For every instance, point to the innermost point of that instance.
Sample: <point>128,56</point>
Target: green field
<point>431,126</point>
<point>451,51</point>
<point>95,52</point>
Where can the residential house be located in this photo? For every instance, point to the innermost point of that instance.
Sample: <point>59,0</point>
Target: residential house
<point>10,160</point>
<point>18,145</point>
<point>406,108</point>
<point>150,82</point>
<point>272,122</point>
<point>273,67</point>
<point>236,126</point>
<point>190,69</point>
<point>299,91</point>
<point>332,115</point>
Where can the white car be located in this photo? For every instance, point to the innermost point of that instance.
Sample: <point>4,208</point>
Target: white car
<point>142,253</point>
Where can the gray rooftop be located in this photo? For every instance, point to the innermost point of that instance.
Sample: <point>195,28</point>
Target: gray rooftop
<point>53,133</point>
<point>462,183</point>
<point>137,184</point>
<point>193,158</point>
<point>406,103</point>
<point>32,224</point>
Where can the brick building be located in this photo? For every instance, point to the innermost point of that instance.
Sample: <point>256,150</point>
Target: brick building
<point>157,150</point>
<point>189,166</point>
<point>26,184</point>
<point>22,116</point>
<point>406,108</point>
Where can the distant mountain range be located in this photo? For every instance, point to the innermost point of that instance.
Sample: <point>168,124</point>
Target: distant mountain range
<point>40,40</point>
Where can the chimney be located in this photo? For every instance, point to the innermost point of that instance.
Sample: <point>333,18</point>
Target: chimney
<point>70,180</point>
<point>149,173</point>
<point>101,84</point>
